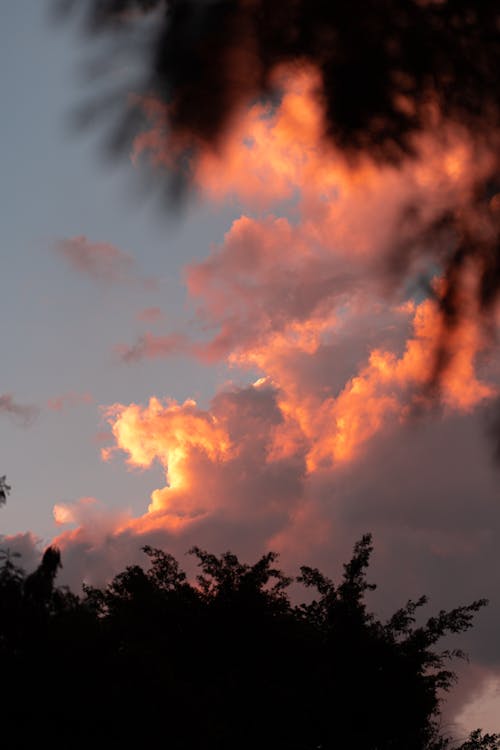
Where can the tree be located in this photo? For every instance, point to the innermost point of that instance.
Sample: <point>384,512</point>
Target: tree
<point>4,489</point>
<point>226,661</point>
<point>480,741</point>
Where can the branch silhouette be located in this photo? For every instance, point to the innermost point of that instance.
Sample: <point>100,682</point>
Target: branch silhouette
<point>225,661</point>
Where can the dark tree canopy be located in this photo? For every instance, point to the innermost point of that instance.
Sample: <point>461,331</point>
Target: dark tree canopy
<point>225,662</point>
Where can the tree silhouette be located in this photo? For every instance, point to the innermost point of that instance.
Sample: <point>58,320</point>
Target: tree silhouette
<point>4,489</point>
<point>480,741</point>
<point>39,585</point>
<point>226,661</point>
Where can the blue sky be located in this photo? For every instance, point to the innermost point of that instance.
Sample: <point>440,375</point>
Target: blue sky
<point>59,328</point>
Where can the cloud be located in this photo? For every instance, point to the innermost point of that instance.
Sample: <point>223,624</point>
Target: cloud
<point>214,59</point>
<point>150,346</point>
<point>247,474</point>
<point>352,221</point>
<point>312,299</point>
<point>25,549</point>
<point>483,708</point>
<point>22,414</point>
<point>68,400</point>
<point>100,261</point>
<point>392,80</point>
<point>90,512</point>
<point>150,315</point>
<point>349,226</point>
<point>219,483</point>
<point>426,489</point>
<point>337,436</point>
<point>358,290</point>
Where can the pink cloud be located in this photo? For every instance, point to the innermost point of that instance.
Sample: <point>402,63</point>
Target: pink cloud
<point>101,261</point>
<point>89,512</point>
<point>302,299</point>
<point>225,486</point>
<point>69,400</point>
<point>313,301</point>
<point>150,315</point>
<point>150,346</point>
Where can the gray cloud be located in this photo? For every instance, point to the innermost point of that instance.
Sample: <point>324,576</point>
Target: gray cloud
<point>100,261</point>
<point>150,346</point>
<point>22,414</point>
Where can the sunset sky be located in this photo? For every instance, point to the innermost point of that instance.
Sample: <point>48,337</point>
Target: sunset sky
<point>249,374</point>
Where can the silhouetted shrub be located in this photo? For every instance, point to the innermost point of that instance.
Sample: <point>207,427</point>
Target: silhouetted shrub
<point>226,662</point>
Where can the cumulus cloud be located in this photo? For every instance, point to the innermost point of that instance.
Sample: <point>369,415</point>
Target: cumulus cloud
<point>90,512</point>
<point>427,490</point>
<point>359,286</point>
<point>349,224</point>
<point>340,433</point>
<point>208,62</point>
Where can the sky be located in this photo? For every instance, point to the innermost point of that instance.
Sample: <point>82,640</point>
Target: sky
<point>246,371</point>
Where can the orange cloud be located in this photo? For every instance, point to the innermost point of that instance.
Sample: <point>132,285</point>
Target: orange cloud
<point>307,292</point>
<point>88,512</point>
<point>317,427</point>
<point>276,153</point>
<point>312,292</point>
<point>170,433</point>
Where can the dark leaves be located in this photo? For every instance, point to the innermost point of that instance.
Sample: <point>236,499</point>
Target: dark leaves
<point>228,662</point>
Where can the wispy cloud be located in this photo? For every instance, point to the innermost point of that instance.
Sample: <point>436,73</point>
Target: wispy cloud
<point>68,400</point>
<point>149,346</point>
<point>150,315</point>
<point>22,414</point>
<point>101,261</point>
